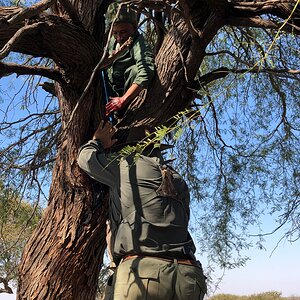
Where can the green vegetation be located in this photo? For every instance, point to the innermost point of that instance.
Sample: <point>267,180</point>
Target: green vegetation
<point>273,295</point>
<point>18,219</point>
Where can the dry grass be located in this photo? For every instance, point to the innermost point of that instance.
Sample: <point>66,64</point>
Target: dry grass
<point>273,295</point>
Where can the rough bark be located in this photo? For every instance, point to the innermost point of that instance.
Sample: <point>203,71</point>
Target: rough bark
<point>62,258</point>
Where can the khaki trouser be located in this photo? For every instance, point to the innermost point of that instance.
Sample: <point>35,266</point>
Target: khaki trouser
<point>153,279</point>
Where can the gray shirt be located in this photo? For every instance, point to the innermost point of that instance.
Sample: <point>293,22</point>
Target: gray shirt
<point>142,221</point>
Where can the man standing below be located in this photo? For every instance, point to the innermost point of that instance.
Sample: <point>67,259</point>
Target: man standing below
<point>134,69</point>
<point>149,215</point>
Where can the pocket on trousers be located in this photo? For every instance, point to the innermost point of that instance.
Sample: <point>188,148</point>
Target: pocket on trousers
<point>136,280</point>
<point>146,278</point>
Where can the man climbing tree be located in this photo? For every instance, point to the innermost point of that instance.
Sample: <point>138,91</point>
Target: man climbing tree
<point>133,71</point>
<point>63,40</point>
<point>149,214</point>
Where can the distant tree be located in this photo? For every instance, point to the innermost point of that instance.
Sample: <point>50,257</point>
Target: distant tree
<point>18,219</point>
<point>232,64</point>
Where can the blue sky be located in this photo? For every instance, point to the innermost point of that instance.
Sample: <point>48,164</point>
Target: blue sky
<point>276,268</point>
<point>266,271</point>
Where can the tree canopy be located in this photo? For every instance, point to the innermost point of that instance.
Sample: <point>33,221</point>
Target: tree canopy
<point>226,93</point>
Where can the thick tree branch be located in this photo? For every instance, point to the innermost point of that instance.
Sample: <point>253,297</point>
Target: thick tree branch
<point>261,23</point>
<point>10,68</point>
<point>217,5</point>
<point>49,88</point>
<point>187,16</point>
<point>53,37</point>
<point>284,9</point>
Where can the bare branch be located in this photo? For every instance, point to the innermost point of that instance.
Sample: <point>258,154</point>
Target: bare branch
<point>234,56</point>
<point>31,11</point>
<point>106,63</point>
<point>217,128</point>
<point>10,68</point>
<point>27,137</point>
<point>6,125</point>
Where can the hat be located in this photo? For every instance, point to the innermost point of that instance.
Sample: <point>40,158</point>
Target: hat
<point>126,14</point>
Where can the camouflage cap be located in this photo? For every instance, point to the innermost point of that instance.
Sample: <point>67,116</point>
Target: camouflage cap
<point>126,15</point>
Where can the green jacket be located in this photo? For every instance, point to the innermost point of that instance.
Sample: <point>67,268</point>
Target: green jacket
<point>136,65</point>
<point>142,222</point>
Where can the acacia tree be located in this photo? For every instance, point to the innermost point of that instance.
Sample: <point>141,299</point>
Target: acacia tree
<point>64,41</point>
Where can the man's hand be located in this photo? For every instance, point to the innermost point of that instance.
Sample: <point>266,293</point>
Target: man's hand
<point>104,133</point>
<point>114,104</point>
<point>117,103</point>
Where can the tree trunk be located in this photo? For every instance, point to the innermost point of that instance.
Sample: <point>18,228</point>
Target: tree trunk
<point>63,257</point>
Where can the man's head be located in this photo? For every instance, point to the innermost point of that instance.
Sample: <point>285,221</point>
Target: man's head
<point>125,25</point>
<point>122,31</point>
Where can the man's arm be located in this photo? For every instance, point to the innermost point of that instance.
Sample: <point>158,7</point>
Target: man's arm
<point>93,160</point>
<point>117,103</point>
<point>144,62</point>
